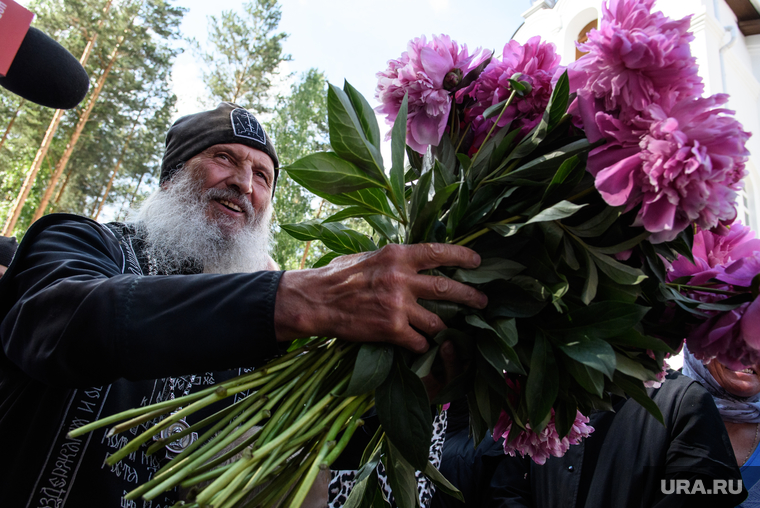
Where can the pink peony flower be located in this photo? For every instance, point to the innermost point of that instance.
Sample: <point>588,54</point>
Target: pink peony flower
<point>539,64</point>
<point>681,165</point>
<point>636,58</point>
<point>732,259</point>
<point>547,442</point>
<point>427,71</point>
<point>732,337</point>
<point>660,375</point>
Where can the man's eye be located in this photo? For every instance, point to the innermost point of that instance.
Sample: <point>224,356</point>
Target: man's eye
<point>223,156</point>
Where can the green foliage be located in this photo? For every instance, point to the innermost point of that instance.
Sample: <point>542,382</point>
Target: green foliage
<point>126,128</point>
<point>243,55</point>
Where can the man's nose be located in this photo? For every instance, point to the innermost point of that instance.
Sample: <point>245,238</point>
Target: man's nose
<point>241,179</point>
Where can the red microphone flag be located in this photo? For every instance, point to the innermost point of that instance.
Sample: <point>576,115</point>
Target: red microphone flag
<point>14,23</point>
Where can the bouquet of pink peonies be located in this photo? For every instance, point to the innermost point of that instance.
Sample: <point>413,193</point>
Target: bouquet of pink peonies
<point>578,186</point>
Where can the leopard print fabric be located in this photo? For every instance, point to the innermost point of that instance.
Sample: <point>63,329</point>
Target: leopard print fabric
<point>343,481</point>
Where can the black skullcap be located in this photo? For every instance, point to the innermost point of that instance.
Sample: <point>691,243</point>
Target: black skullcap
<point>8,246</point>
<point>228,123</point>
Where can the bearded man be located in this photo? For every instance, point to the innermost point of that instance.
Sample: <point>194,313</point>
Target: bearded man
<point>97,319</point>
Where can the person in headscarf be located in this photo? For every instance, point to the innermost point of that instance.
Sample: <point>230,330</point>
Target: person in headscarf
<point>737,395</point>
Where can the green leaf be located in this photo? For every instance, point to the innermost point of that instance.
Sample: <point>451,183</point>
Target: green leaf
<point>349,213</point>
<point>498,354</point>
<point>543,382</point>
<point>401,476</point>
<point>568,175</point>
<point>588,293</point>
<point>598,224</point>
<point>632,368</point>
<point>495,109</point>
<point>398,145</point>
<point>347,136</point>
<point>601,320</point>
<point>490,269</point>
<point>623,246</point>
<point>373,363</point>
<point>553,235</point>
<point>371,456</point>
<point>424,362</point>
<point>559,211</point>
<point>404,412</point>
<point>444,152</point>
<point>443,309</point>
<point>684,243</point>
<point>513,301</point>
<point>424,220</point>
<point>506,329</point>
<point>464,161</point>
<point>590,379</point>
<point>325,260</point>
<point>328,173</point>
<point>632,338</point>
<point>383,226</point>
<point>635,389</point>
<point>458,209</point>
<point>334,235</point>
<point>568,254</point>
<point>595,353</point>
<point>564,416</point>
<point>441,482</point>
<point>371,199</point>
<point>362,493</point>
<point>550,161</point>
<point>421,194</point>
<point>478,426</point>
<point>615,270</point>
<point>365,113</point>
<point>558,103</point>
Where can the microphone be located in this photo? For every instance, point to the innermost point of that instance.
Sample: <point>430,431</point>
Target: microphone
<point>44,72</point>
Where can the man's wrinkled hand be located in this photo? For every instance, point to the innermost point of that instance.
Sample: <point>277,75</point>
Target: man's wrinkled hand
<point>372,296</point>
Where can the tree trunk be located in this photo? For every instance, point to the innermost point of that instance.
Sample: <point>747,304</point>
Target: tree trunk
<point>26,187</point>
<point>94,213</point>
<point>63,188</point>
<point>10,124</point>
<point>308,244</point>
<point>61,166</point>
<point>134,194</point>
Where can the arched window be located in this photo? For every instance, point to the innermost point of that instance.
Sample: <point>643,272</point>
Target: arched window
<point>583,37</point>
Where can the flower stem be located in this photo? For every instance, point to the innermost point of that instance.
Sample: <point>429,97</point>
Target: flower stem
<point>702,289</point>
<point>506,105</point>
<point>483,231</point>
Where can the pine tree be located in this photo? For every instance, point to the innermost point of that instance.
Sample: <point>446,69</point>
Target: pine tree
<point>243,54</point>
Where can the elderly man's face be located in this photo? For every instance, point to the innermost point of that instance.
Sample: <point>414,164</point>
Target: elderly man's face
<point>243,174</point>
<point>742,383</point>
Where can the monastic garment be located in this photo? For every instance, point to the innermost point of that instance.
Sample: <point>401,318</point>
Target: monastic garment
<point>85,334</point>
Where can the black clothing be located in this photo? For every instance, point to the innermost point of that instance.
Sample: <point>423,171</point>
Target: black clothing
<point>622,464</point>
<point>77,314</point>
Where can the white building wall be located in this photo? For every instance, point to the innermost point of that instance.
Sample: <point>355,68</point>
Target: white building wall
<point>728,62</point>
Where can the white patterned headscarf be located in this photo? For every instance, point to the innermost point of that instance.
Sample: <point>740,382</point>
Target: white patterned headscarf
<point>731,408</point>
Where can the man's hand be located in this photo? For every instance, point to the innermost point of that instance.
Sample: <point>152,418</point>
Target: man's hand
<point>372,296</point>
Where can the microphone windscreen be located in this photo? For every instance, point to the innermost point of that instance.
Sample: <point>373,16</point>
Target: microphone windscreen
<point>44,72</point>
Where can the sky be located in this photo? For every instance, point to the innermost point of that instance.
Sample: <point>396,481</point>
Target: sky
<point>354,39</point>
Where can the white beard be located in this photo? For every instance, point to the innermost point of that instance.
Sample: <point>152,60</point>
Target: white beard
<point>179,235</point>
